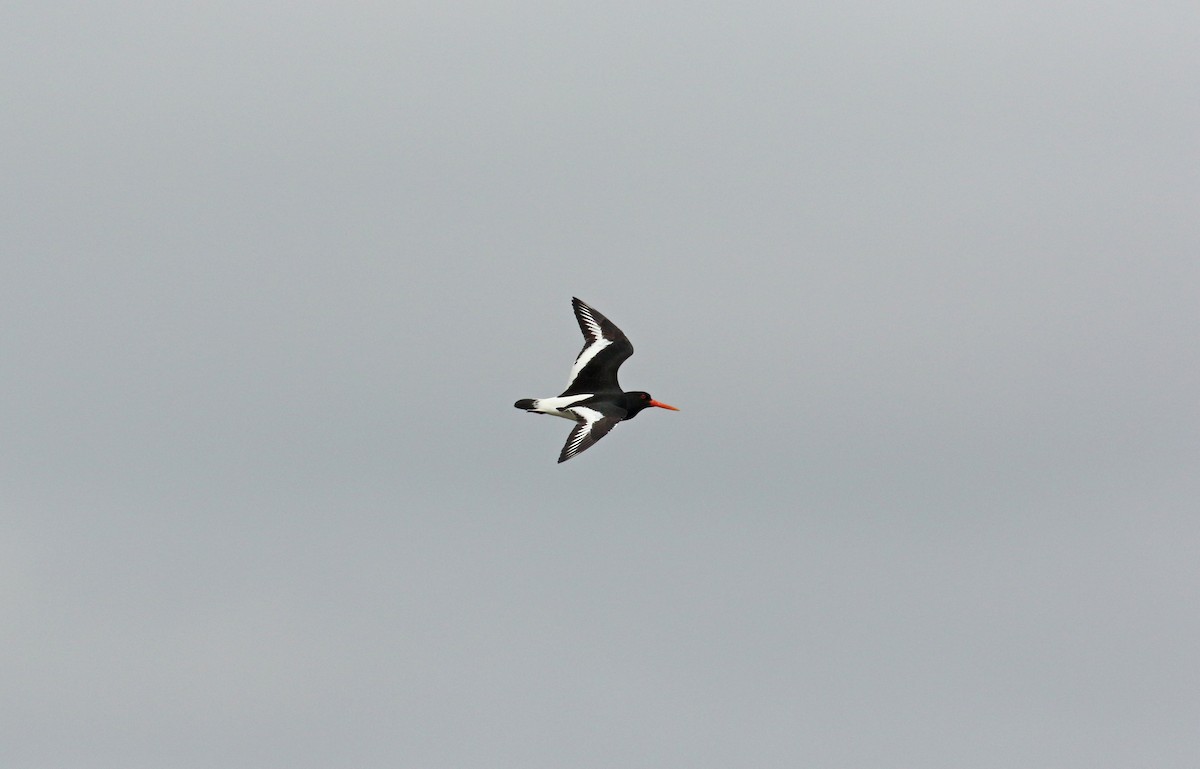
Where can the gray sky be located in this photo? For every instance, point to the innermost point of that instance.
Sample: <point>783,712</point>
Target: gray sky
<point>923,278</point>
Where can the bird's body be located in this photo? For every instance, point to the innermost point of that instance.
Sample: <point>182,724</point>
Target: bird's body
<point>593,398</point>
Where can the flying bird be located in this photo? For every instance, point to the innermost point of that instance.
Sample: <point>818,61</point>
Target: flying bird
<point>593,398</point>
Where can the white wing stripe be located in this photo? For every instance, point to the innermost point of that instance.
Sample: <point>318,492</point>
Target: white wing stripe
<point>585,357</point>
<point>591,417</point>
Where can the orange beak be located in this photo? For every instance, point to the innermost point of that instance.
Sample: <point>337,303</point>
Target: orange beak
<point>662,405</point>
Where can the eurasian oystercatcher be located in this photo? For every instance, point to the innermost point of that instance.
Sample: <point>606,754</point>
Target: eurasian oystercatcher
<point>593,399</point>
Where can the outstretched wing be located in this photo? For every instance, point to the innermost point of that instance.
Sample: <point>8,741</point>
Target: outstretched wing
<point>605,348</point>
<point>592,425</point>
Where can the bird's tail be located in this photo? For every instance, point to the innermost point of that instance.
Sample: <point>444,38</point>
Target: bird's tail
<point>525,403</point>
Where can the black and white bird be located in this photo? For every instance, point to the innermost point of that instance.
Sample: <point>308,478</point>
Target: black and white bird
<point>593,399</point>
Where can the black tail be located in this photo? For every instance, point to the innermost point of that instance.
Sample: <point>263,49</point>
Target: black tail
<point>525,403</point>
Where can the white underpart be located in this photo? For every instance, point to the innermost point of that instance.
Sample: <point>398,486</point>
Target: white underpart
<point>586,356</point>
<point>560,406</point>
<point>590,418</point>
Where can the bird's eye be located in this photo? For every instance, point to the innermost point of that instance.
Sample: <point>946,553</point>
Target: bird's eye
<point>645,396</point>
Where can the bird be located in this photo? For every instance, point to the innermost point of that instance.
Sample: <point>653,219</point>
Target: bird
<point>593,398</point>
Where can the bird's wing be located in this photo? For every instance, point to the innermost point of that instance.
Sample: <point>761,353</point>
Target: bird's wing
<point>592,425</point>
<point>605,348</point>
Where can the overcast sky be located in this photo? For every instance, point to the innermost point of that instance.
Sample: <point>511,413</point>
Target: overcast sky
<point>924,279</point>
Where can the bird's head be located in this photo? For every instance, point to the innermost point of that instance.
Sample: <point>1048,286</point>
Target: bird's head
<point>637,400</point>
